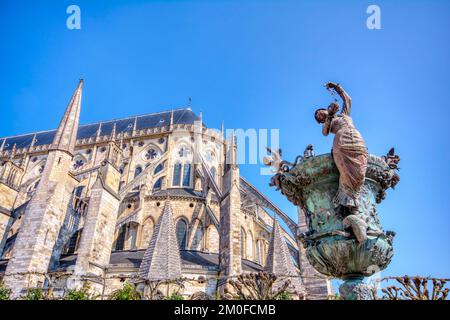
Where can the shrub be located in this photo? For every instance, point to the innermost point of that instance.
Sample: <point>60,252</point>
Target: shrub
<point>284,296</point>
<point>175,296</point>
<point>80,294</point>
<point>34,294</point>
<point>128,292</point>
<point>4,292</point>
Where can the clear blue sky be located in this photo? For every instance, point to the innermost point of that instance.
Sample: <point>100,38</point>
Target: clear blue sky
<point>254,64</point>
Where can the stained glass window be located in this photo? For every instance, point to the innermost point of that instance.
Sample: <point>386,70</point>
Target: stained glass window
<point>120,242</point>
<point>158,184</point>
<point>176,174</point>
<point>187,175</point>
<point>151,154</point>
<point>159,168</point>
<point>137,171</point>
<point>78,164</point>
<point>183,152</point>
<point>181,234</point>
<point>213,173</point>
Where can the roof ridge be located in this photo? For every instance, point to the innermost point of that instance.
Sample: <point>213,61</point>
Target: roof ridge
<point>101,121</point>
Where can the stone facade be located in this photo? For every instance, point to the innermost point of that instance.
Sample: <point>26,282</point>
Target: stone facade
<point>90,204</point>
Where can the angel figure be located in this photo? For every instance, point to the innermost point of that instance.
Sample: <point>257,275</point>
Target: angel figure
<point>349,149</point>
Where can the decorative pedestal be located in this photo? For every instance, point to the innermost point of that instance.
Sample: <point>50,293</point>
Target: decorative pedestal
<point>349,247</point>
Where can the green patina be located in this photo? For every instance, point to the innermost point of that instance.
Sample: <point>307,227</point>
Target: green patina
<point>331,248</point>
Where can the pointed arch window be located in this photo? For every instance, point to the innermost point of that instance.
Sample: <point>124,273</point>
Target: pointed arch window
<point>176,174</point>
<point>181,229</point>
<point>187,175</point>
<point>158,184</point>
<point>214,172</point>
<point>137,171</point>
<point>159,168</point>
<point>243,242</point>
<point>120,242</point>
<point>72,246</point>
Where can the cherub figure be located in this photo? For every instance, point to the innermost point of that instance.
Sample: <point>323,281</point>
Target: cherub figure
<point>309,152</point>
<point>274,160</point>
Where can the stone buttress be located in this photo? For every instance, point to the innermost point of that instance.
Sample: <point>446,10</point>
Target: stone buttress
<point>46,211</point>
<point>97,238</point>
<point>230,227</point>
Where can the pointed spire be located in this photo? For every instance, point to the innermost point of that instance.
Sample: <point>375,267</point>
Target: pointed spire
<point>279,261</point>
<point>121,140</point>
<point>12,154</point>
<point>99,132</point>
<point>222,130</point>
<point>23,161</point>
<point>66,134</point>
<point>33,142</point>
<point>171,120</point>
<point>233,149</point>
<point>162,258</point>
<point>112,137</point>
<point>134,126</point>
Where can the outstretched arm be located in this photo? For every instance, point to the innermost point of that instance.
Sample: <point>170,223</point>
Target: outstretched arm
<point>347,101</point>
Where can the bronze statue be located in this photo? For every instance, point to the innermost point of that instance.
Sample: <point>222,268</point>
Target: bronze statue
<point>349,149</point>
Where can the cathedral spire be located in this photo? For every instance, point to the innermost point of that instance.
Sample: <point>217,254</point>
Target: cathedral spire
<point>162,258</point>
<point>66,134</point>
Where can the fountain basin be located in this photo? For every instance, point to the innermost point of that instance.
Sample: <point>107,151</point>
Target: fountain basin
<point>331,248</point>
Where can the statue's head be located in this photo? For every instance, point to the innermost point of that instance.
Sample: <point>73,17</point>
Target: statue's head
<point>321,115</point>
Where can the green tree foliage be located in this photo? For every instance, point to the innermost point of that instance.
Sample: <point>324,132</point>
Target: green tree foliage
<point>174,296</point>
<point>128,292</point>
<point>80,294</point>
<point>34,294</point>
<point>4,292</point>
<point>284,296</point>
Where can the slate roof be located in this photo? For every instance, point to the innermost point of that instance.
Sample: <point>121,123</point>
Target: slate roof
<point>152,120</point>
<point>178,192</point>
<point>194,259</point>
<point>162,259</point>
<point>3,264</point>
